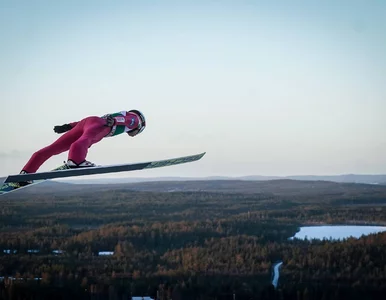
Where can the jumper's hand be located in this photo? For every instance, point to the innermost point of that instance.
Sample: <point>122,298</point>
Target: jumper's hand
<point>110,121</point>
<point>62,128</point>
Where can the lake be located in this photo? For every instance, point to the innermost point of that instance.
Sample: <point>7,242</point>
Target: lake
<point>336,232</point>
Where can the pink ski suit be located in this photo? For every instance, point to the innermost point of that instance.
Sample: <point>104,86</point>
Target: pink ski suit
<point>83,135</point>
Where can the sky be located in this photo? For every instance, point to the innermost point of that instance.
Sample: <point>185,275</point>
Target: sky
<point>264,87</point>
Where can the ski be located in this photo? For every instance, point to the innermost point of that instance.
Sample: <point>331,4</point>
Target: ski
<point>61,173</point>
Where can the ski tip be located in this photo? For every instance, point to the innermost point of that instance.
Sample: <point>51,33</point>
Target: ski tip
<point>198,156</point>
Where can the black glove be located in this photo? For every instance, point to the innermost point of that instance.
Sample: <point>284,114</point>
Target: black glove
<point>110,121</point>
<point>62,128</point>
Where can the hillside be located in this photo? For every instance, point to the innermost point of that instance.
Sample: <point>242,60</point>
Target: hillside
<point>296,190</point>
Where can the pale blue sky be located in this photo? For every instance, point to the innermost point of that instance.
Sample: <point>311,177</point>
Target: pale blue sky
<point>265,87</point>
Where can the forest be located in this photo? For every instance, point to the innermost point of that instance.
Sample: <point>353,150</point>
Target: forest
<point>190,240</point>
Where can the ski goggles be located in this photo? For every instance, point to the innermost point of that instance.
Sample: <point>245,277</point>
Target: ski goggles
<point>141,123</point>
<point>137,130</point>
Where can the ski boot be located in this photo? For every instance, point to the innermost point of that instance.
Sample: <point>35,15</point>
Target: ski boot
<point>85,164</point>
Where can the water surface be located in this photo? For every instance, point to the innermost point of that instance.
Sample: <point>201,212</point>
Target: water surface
<point>336,232</point>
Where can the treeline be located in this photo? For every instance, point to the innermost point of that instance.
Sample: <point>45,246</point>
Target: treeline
<point>157,236</point>
<point>91,209</point>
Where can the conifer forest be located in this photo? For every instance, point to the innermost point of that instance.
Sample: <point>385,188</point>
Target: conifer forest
<point>190,240</point>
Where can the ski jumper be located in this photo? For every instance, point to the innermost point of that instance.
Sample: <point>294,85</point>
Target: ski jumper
<point>82,136</point>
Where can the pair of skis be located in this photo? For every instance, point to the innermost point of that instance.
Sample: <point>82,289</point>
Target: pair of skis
<point>11,183</point>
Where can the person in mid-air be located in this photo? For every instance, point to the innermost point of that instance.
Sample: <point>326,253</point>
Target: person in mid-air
<point>81,135</point>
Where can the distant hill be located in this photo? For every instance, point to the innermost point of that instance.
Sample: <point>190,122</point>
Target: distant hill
<point>291,185</point>
<point>355,178</point>
<point>301,189</point>
<point>347,178</point>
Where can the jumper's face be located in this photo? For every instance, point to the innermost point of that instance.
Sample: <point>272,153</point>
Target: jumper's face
<point>140,127</point>
<point>134,132</point>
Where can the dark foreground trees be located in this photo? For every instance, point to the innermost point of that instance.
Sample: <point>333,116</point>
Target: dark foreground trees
<point>190,245</point>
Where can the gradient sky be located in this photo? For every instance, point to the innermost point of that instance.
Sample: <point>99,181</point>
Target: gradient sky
<point>265,87</point>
